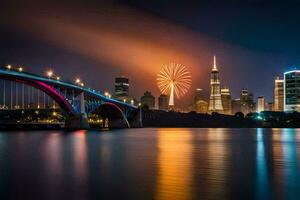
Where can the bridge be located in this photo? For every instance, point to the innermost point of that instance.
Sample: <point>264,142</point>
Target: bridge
<point>74,99</point>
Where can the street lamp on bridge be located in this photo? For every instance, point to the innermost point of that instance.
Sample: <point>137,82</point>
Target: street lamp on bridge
<point>79,82</point>
<point>50,73</point>
<point>107,94</point>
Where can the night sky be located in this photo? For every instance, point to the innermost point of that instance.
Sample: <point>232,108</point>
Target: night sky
<point>254,41</point>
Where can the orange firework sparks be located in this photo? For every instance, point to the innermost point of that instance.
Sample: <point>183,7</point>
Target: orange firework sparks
<point>174,78</point>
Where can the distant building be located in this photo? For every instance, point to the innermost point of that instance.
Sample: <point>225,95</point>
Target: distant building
<point>215,101</point>
<point>279,95</point>
<point>236,106</point>
<point>148,99</point>
<point>292,91</point>
<point>260,104</point>
<point>163,102</point>
<point>121,87</point>
<point>198,95</point>
<point>199,104</point>
<point>246,102</point>
<point>122,90</point>
<point>226,101</point>
<point>270,106</point>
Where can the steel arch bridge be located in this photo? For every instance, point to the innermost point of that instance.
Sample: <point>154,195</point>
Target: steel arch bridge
<point>77,102</point>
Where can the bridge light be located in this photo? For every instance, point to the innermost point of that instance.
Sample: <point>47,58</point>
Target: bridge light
<point>124,100</point>
<point>77,80</point>
<point>81,84</point>
<point>132,101</point>
<point>107,94</point>
<point>140,104</point>
<point>58,78</point>
<point>8,67</point>
<point>50,73</point>
<point>20,69</point>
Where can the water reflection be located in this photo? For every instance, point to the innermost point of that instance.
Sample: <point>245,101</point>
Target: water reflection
<point>53,165</point>
<point>174,165</point>
<point>80,155</point>
<point>216,163</point>
<point>79,147</point>
<point>151,164</point>
<point>262,185</point>
<point>290,170</point>
<point>53,152</point>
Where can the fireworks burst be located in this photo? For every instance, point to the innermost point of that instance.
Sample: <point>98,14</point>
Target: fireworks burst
<point>174,78</point>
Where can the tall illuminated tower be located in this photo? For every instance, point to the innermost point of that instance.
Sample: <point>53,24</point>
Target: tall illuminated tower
<point>279,94</point>
<point>226,101</point>
<point>215,101</point>
<point>292,91</point>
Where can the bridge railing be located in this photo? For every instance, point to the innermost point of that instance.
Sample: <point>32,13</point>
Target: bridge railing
<point>60,83</point>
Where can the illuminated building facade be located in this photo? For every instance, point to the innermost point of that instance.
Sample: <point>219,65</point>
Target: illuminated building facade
<point>199,104</point>
<point>122,90</point>
<point>215,101</point>
<point>270,106</point>
<point>121,87</point>
<point>246,102</point>
<point>292,91</point>
<point>236,106</point>
<point>148,99</point>
<point>260,104</point>
<point>226,101</point>
<point>279,94</point>
<point>163,102</point>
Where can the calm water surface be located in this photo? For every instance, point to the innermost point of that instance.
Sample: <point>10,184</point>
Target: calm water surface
<point>151,164</point>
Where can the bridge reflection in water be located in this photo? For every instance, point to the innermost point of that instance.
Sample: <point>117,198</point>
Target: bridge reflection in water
<point>151,163</point>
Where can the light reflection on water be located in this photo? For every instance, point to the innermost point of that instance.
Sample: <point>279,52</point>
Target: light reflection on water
<point>151,164</point>
<point>174,180</point>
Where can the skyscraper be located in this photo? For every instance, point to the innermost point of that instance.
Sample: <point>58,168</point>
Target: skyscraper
<point>292,91</point>
<point>226,101</point>
<point>278,94</point>
<point>270,106</point>
<point>148,99</point>
<point>260,104</point>
<point>236,105</point>
<point>121,87</point>
<point>163,102</point>
<point>215,101</point>
<point>246,102</point>
<point>199,104</point>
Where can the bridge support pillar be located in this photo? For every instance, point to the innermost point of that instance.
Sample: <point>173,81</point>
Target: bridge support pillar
<point>77,122</point>
<point>137,122</point>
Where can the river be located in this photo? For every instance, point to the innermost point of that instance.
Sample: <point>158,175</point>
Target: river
<point>151,163</point>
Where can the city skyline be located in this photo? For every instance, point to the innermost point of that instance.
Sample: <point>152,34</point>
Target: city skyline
<point>149,99</point>
<point>121,85</point>
<point>193,45</point>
